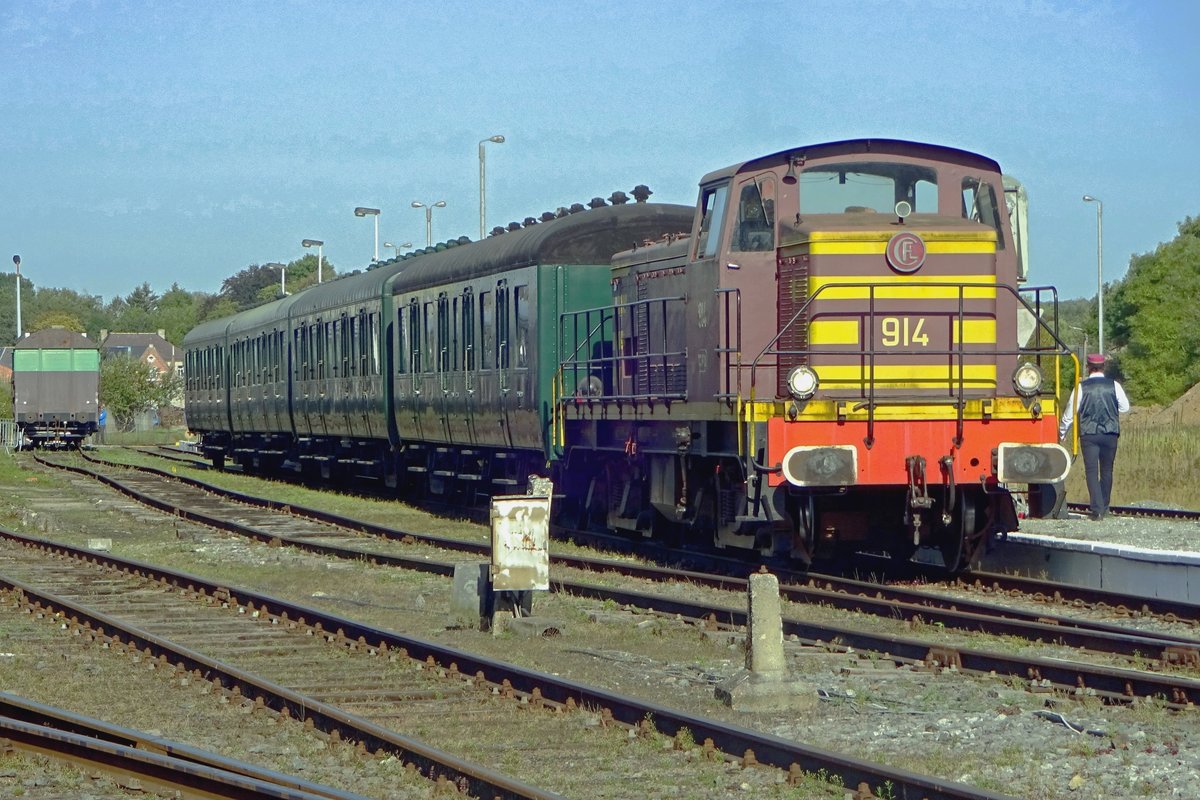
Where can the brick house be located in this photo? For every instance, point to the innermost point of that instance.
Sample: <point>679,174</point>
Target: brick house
<point>151,349</point>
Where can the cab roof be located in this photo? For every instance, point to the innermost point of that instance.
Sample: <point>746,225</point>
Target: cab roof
<point>845,147</point>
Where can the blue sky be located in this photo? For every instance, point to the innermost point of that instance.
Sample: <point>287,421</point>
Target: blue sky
<point>183,141</point>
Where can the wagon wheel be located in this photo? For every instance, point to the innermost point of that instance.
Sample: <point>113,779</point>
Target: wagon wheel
<point>961,540</point>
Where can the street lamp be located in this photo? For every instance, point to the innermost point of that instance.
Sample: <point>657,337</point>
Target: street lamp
<point>317,243</point>
<point>498,139</point>
<point>282,276</point>
<point>429,207</point>
<point>396,248</point>
<point>17,261</point>
<point>370,212</point>
<point>1087,198</point>
<point>1083,356</point>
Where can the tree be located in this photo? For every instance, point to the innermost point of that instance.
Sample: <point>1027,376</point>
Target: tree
<point>60,319</point>
<point>178,312</point>
<point>128,388</point>
<point>1154,321</point>
<point>51,306</point>
<point>244,287</point>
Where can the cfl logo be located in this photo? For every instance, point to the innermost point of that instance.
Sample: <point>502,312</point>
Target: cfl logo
<point>906,252</point>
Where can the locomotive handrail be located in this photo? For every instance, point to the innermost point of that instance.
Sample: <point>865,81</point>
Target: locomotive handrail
<point>959,352</point>
<point>623,315</point>
<point>729,349</point>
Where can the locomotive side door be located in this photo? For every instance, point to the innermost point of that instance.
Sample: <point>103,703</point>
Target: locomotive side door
<point>747,266</point>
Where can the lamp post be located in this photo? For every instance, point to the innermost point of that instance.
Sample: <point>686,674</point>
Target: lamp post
<point>396,248</point>
<point>1083,356</point>
<point>429,207</point>
<point>17,262</point>
<point>317,243</point>
<point>1087,198</point>
<point>282,276</point>
<point>498,139</point>
<point>362,211</point>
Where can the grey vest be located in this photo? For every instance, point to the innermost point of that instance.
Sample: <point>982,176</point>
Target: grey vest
<point>1098,407</point>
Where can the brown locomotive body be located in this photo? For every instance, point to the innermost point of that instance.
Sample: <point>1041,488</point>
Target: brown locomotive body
<point>830,361</point>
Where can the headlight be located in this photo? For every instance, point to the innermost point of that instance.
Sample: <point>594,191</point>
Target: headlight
<point>1027,379</point>
<point>802,383</point>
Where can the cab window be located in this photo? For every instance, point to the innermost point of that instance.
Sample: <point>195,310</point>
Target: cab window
<point>756,216</point>
<point>712,207</point>
<point>979,204</point>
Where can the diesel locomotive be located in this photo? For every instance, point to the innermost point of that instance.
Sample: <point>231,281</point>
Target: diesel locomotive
<point>832,351</point>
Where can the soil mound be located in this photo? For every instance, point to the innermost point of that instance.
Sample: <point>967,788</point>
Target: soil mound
<point>1184,411</point>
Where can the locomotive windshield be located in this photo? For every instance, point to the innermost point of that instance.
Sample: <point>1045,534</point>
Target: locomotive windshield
<point>867,187</point>
<point>876,187</point>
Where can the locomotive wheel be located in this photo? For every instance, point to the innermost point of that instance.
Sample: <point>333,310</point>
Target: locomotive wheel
<point>804,547</point>
<point>961,540</point>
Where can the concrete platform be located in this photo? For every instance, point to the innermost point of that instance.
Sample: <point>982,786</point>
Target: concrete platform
<point>1116,567</point>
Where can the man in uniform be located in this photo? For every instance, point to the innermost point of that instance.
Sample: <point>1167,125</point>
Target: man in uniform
<point>1098,402</point>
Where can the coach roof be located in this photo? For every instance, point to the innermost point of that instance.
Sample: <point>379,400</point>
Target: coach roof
<point>56,339</point>
<point>586,237</point>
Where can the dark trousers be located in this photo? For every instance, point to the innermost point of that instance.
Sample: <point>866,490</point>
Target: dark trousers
<point>1099,452</point>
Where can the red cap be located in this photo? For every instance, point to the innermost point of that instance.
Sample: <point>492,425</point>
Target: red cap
<point>1096,359</point>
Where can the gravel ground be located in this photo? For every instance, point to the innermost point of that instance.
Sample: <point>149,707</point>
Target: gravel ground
<point>991,733</point>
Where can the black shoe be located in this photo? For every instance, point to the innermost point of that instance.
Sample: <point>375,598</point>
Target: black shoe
<point>1095,517</point>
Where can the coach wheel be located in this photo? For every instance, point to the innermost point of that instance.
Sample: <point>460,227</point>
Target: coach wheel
<point>966,534</point>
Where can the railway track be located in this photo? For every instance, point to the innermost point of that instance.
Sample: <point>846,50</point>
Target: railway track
<point>354,680</point>
<point>143,762</point>
<point>847,593</point>
<point>1138,511</point>
<point>1115,684</point>
<point>1048,593</point>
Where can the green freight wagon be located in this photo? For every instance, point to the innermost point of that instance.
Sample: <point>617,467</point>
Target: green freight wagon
<point>56,385</point>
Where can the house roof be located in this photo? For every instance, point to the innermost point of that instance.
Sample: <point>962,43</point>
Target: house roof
<point>136,344</point>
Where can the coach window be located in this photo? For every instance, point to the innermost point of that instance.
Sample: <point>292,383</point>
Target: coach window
<point>414,336</point>
<point>373,327</point>
<point>468,329</point>
<point>443,328</point>
<point>431,340</point>
<point>318,349</point>
<point>756,216</point>
<point>502,322</point>
<point>712,206</point>
<point>521,311</point>
<point>979,204</point>
<point>401,343</point>
<point>301,337</point>
<point>487,330</point>
<point>454,334</point>
<point>347,354</point>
